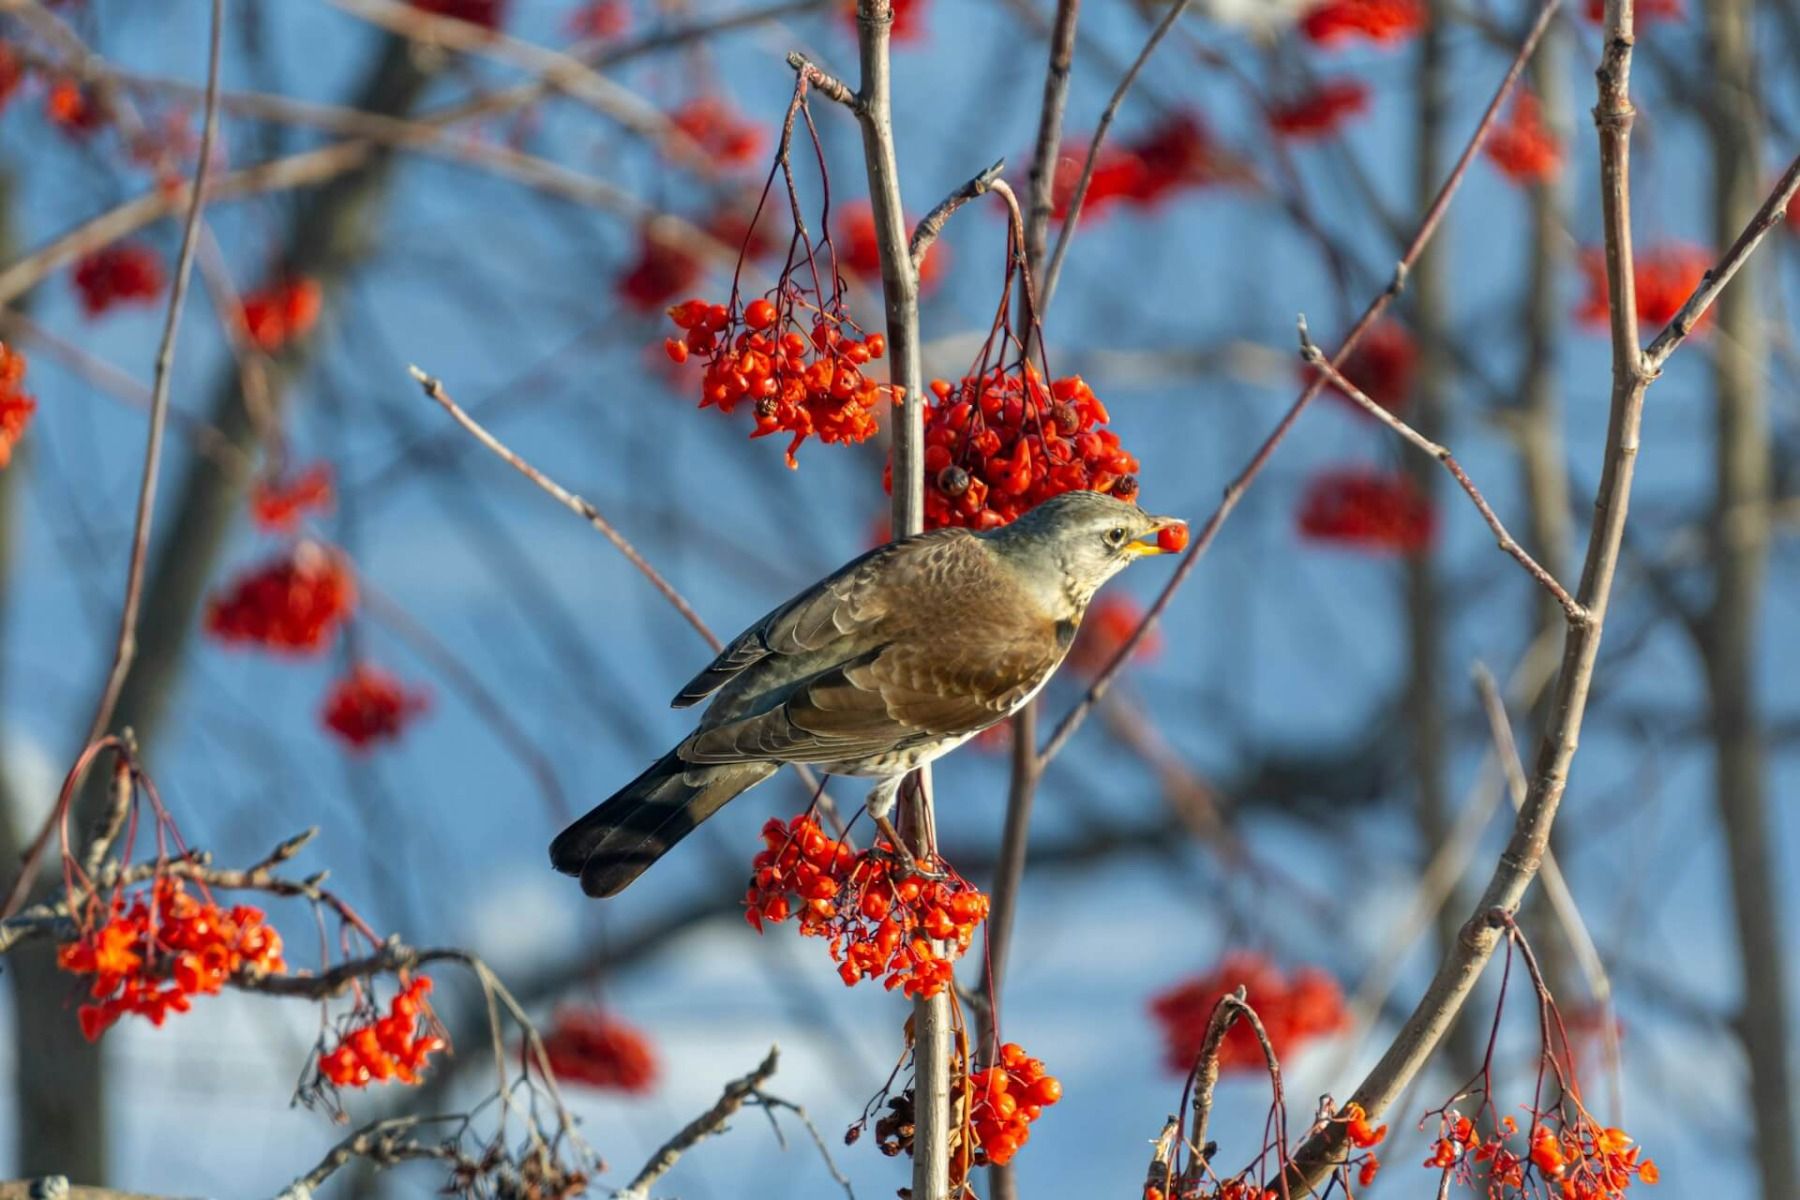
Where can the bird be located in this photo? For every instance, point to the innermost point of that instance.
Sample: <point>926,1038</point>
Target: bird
<point>885,665</point>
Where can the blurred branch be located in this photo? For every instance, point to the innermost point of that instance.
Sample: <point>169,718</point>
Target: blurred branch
<point>1234,492</point>
<point>1073,217</point>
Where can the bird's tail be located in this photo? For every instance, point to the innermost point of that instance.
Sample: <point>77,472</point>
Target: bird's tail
<point>638,824</point>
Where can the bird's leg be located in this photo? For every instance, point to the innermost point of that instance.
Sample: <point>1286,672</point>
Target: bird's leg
<point>881,806</point>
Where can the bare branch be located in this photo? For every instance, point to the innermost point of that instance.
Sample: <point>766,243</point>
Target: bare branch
<point>926,231</point>
<point>737,1093</point>
<point>1234,492</point>
<point>1313,355</point>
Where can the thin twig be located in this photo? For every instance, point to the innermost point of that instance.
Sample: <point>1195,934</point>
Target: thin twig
<point>1234,492</point>
<point>125,648</point>
<point>569,500</point>
<point>737,1093</point>
<point>926,231</point>
<point>1316,357</point>
<point>1087,167</point>
<point>1049,131</point>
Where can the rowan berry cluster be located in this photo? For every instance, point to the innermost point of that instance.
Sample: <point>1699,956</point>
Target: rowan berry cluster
<point>16,405</point>
<point>1381,367</point>
<point>1384,22</point>
<point>1576,1160</point>
<point>1002,442</point>
<point>1008,1097</point>
<point>369,705</point>
<point>798,363</point>
<point>728,138</point>
<point>1370,510</point>
<point>1176,154</point>
<point>1295,1009</point>
<point>151,955</point>
<point>282,311</point>
<point>277,504</point>
<point>123,273</point>
<point>1522,147</point>
<point>292,604</point>
<point>397,1046</point>
<point>590,1046</point>
<point>1665,276</point>
<point>882,918</point>
<point>1320,111</point>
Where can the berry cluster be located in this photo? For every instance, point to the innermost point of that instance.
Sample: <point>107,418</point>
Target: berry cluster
<point>1009,1096</point>
<point>1371,510</point>
<point>803,375</point>
<point>369,705</point>
<point>1174,155</point>
<point>1109,621</point>
<point>290,604</point>
<point>727,138</point>
<point>1364,1136</point>
<point>1384,22</point>
<point>1522,147</point>
<point>664,268</point>
<point>1665,276</point>
<point>589,1046</point>
<point>485,13</point>
<point>16,405</point>
<point>1001,443</point>
<point>74,108</point>
<point>287,309</point>
<point>125,273</point>
<point>1381,367</point>
<point>1581,1161</point>
<point>150,957</point>
<point>1294,1010</point>
<point>881,918</point>
<point>277,504</point>
<point>379,1048</point>
<point>1320,111</point>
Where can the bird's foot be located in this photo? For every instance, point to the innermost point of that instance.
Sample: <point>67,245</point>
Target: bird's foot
<point>902,854</point>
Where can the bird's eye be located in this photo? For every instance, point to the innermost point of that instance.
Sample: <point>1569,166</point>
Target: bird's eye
<point>1115,537</point>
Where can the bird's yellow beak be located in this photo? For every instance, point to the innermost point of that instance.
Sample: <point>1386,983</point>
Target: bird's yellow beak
<point>1156,543</point>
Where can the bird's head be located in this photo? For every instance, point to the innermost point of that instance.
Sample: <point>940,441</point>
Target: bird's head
<point>1072,543</point>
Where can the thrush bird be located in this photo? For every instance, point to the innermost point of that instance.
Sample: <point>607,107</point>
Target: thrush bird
<point>893,661</point>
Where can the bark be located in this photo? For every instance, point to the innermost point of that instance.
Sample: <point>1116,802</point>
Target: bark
<point>1740,545</point>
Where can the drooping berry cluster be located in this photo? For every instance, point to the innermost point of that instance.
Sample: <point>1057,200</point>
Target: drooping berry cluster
<point>1384,22</point>
<point>1176,154</point>
<point>727,137</point>
<point>278,504</point>
<point>798,364</point>
<point>150,956</point>
<point>123,273</point>
<point>369,705</point>
<point>592,1047</point>
<point>1001,443</point>
<point>1295,1009</point>
<point>282,311</point>
<point>1320,111</point>
<point>1367,509</point>
<point>291,604</point>
<point>1579,1160</point>
<point>1008,1097</point>
<point>16,405</point>
<point>1523,147</point>
<point>397,1046</point>
<point>1665,276</point>
<point>882,920</point>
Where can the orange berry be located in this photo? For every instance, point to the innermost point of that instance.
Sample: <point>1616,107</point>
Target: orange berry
<point>759,314</point>
<point>1172,540</point>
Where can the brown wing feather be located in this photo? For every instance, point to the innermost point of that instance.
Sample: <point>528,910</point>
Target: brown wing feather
<point>856,598</point>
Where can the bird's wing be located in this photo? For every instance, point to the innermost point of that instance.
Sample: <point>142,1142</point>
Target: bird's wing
<point>900,695</point>
<point>841,607</point>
